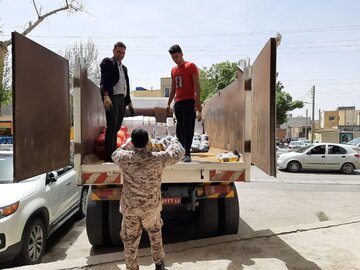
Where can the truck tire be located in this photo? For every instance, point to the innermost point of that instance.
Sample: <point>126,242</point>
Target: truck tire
<point>97,222</point>
<point>33,242</point>
<point>115,219</point>
<point>229,214</point>
<point>208,217</point>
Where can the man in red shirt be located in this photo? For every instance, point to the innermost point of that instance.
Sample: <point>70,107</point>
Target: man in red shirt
<point>185,88</point>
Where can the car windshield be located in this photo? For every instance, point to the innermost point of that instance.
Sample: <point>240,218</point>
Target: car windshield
<point>6,167</point>
<point>354,141</point>
<point>303,149</point>
<point>296,143</point>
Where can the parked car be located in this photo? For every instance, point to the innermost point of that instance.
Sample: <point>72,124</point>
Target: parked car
<point>323,156</point>
<point>31,210</point>
<point>355,143</point>
<point>280,151</point>
<point>295,145</point>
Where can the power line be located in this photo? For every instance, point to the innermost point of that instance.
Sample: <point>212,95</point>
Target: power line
<point>287,31</point>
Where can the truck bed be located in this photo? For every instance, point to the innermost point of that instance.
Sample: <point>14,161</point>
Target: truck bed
<point>204,168</point>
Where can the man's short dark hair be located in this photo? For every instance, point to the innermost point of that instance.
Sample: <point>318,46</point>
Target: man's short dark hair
<point>175,49</point>
<point>119,44</point>
<point>139,138</point>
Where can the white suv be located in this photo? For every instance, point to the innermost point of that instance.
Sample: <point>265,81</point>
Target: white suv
<point>33,209</point>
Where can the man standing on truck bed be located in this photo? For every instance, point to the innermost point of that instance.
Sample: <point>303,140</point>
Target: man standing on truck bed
<point>115,93</point>
<point>185,87</point>
<point>141,202</point>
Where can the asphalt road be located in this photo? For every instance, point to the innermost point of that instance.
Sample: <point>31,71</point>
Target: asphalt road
<point>265,202</point>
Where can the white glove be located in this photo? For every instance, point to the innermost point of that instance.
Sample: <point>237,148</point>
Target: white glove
<point>107,103</point>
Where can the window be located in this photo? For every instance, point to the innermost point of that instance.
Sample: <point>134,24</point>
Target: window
<point>166,92</point>
<point>336,150</point>
<point>318,150</point>
<point>331,118</point>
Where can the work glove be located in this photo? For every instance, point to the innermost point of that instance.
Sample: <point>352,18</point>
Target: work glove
<point>107,103</point>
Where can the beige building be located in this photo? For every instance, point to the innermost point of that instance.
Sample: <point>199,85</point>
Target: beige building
<point>164,91</point>
<point>343,116</point>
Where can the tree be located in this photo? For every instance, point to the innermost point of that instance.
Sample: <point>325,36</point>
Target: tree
<point>284,103</point>
<point>89,52</point>
<point>5,87</point>
<point>217,77</point>
<point>68,5</point>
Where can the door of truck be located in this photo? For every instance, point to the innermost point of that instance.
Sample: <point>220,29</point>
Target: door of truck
<point>232,113</point>
<point>40,109</point>
<point>263,119</point>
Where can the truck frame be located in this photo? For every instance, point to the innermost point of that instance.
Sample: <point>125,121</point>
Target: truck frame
<point>239,117</point>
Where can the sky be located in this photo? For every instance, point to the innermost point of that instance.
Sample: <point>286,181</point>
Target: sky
<point>320,39</point>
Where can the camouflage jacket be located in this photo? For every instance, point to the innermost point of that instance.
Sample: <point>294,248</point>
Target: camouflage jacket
<point>141,171</point>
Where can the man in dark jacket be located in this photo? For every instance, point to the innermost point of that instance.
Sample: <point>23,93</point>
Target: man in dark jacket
<point>115,93</point>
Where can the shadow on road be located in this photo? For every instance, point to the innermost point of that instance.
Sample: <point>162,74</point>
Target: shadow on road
<point>241,250</point>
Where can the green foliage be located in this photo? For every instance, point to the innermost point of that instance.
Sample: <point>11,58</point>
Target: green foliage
<point>217,77</point>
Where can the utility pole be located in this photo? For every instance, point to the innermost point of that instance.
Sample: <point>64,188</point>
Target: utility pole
<point>313,114</point>
<point>306,135</point>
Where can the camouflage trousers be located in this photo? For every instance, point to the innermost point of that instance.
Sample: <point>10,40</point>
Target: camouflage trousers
<point>131,230</point>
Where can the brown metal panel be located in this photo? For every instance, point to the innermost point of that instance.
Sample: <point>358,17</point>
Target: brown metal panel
<point>40,107</point>
<point>263,109</point>
<point>224,117</point>
<point>92,113</point>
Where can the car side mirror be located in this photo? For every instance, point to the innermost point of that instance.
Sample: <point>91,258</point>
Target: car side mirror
<point>51,177</point>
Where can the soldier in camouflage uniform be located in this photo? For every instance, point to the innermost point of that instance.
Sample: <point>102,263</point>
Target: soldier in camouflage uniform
<point>141,202</point>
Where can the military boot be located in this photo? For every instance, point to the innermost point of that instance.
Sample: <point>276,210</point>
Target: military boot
<point>160,266</point>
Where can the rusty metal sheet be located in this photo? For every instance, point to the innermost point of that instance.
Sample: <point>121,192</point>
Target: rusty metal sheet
<point>224,117</point>
<point>92,113</point>
<point>40,108</point>
<point>263,109</point>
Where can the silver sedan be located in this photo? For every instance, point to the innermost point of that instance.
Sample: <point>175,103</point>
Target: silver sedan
<point>322,156</point>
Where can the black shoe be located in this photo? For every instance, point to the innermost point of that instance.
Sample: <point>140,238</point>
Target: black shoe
<point>186,158</point>
<point>160,266</point>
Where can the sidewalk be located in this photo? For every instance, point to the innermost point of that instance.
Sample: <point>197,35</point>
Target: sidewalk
<point>326,245</point>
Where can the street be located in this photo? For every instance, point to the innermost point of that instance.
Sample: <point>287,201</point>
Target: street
<point>267,205</point>
<point>266,202</point>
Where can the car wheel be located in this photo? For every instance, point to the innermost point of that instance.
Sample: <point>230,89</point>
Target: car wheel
<point>83,203</point>
<point>33,243</point>
<point>348,168</point>
<point>294,166</point>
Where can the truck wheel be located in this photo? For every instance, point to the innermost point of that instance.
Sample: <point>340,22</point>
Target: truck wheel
<point>97,222</point>
<point>33,242</point>
<point>208,214</point>
<point>115,219</point>
<point>83,203</point>
<point>229,214</point>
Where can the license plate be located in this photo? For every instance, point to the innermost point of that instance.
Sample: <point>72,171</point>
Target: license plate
<point>171,200</point>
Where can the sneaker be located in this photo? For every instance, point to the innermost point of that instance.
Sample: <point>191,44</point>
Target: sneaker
<point>186,158</point>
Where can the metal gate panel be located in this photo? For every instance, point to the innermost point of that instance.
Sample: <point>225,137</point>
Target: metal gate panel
<point>263,110</point>
<point>92,113</point>
<point>40,108</point>
<point>224,117</point>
